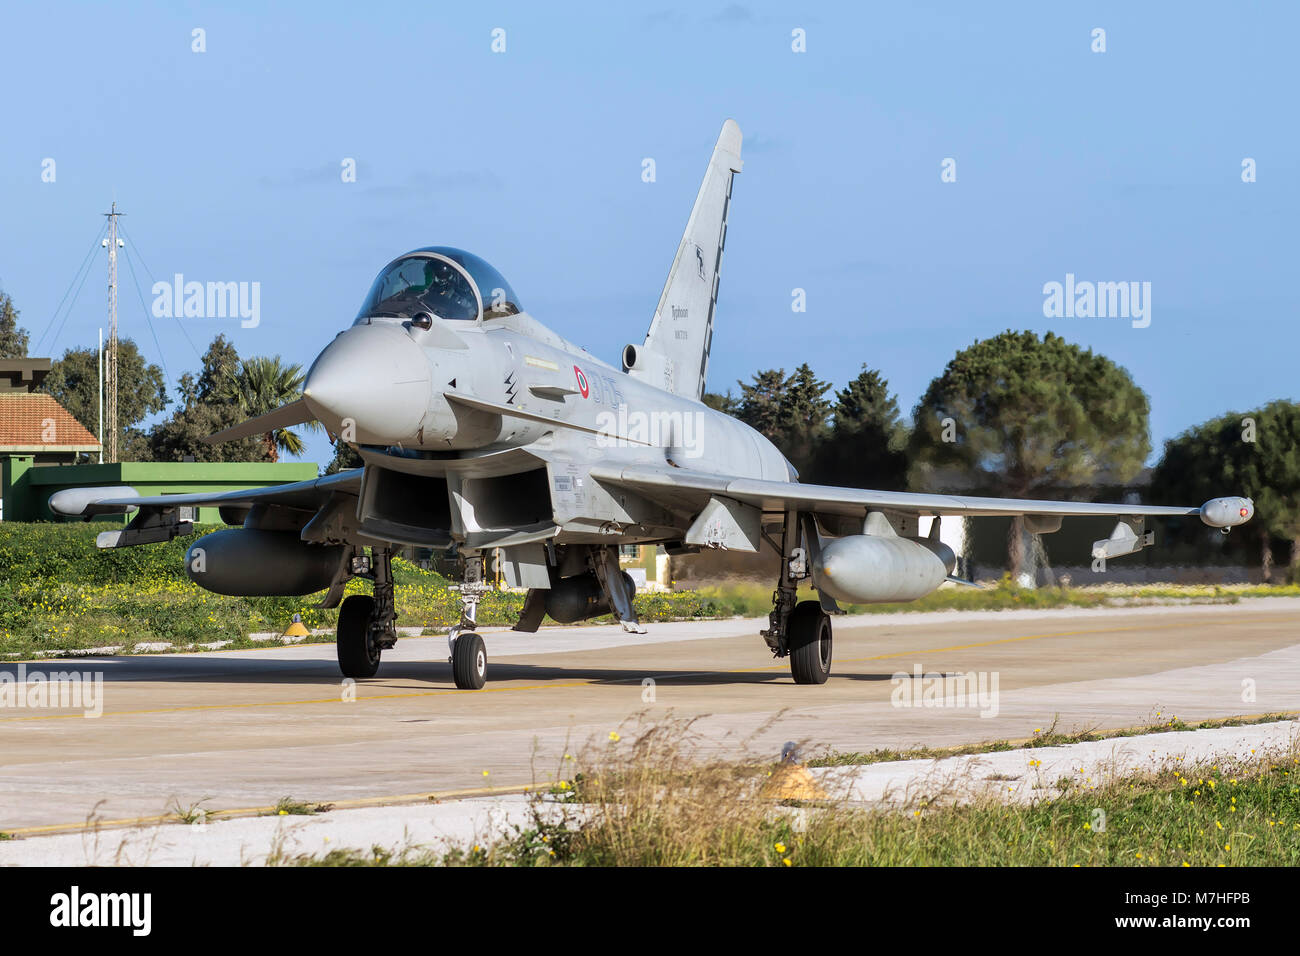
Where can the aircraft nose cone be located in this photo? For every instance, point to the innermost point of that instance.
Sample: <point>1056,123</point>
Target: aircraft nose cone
<point>370,385</point>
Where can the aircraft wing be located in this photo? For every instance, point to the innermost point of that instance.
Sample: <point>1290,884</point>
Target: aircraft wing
<point>294,413</point>
<point>680,485</point>
<point>158,518</point>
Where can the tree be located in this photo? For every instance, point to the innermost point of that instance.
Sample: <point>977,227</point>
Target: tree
<point>13,340</point>
<point>262,384</point>
<point>759,405</point>
<point>1022,417</point>
<point>720,403</point>
<point>141,391</point>
<point>203,411</point>
<point>866,447</point>
<point>345,457</point>
<point>790,412</point>
<point>804,413</point>
<point>1256,454</point>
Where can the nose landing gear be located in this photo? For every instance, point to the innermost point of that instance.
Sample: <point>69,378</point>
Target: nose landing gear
<point>468,654</point>
<point>468,659</point>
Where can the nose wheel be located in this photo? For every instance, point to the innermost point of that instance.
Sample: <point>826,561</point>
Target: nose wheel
<point>468,655</point>
<point>468,659</point>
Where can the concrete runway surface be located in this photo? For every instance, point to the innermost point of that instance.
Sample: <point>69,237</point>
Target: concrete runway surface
<point>1013,776</point>
<point>239,730</point>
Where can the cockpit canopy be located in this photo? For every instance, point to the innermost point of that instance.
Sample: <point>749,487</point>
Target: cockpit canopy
<point>450,283</point>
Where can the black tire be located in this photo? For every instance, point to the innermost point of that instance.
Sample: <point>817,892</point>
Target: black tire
<point>808,633</point>
<point>358,654</point>
<point>469,661</point>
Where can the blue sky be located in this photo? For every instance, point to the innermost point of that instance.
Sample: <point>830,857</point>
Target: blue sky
<point>1115,166</point>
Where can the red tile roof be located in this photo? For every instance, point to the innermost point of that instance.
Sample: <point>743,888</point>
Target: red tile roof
<point>32,421</point>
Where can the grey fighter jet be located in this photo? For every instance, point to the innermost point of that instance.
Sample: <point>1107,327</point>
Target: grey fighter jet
<point>483,432</point>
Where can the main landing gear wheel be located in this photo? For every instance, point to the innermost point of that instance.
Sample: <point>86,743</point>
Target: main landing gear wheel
<point>469,661</point>
<point>354,640</point>
<point>809,635</point>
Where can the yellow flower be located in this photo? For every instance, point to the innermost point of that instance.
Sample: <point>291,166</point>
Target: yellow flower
<point>780,848</point>
<point>613,735</point>
<point>787,862</point>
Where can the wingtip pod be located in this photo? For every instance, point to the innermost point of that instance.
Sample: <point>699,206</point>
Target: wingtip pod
<point>1227,512</point>
<point>85,501</point>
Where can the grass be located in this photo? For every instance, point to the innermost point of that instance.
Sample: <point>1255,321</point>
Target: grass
<point>191,813</point>
<point>287,806</point>
<point>751,599</point>
<point>1049,737</point>
<point>59,594</point>
<point>650,802</point>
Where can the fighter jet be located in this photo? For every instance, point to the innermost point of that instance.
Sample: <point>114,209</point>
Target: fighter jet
<point>484,433</point>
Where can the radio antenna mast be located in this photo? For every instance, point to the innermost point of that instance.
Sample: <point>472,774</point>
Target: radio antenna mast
<point>110,378</point>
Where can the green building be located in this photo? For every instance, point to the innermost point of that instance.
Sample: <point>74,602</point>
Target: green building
<point>26,488</point>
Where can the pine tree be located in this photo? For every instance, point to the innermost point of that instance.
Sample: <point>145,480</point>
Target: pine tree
<point>866,444</point>
<point>1025,417</point>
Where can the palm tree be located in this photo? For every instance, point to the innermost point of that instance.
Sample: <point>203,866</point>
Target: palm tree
<point>260,385</point>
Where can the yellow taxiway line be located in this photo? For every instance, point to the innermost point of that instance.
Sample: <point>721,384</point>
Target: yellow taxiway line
<point>590,683</point>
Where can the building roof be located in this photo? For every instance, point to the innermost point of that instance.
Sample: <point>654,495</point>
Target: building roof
<point>35,422</point>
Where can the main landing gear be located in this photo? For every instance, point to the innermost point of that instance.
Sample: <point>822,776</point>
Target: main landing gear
<point>800,630</point>
<point>366,625</point>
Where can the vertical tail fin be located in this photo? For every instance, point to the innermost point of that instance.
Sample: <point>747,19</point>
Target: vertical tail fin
<point>682,328</point>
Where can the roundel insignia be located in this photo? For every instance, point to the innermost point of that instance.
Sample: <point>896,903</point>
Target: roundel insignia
<point>582,382</point>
